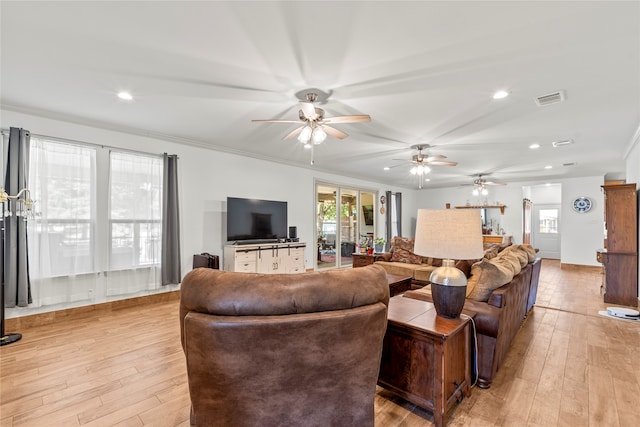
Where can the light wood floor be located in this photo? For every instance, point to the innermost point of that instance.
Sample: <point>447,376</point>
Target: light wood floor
<point>568,366</point>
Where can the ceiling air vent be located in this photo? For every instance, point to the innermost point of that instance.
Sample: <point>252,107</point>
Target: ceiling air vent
<point>550,98</point>
<point>556,144</point>
<point>569,164</point>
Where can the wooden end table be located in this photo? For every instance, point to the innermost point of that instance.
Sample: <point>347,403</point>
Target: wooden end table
<point>398,283</point>
<point>426,359</point>
<point>361,260</point>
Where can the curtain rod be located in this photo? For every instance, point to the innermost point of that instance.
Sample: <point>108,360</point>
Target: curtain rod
<point>6,132</point>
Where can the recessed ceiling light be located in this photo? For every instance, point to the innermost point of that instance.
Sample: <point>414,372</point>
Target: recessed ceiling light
<point>500,94</point>
<point>387,168</point>
<point>548,167</point>
<point>428,179</point>
<point>534,146</point>
<point>125,95</point>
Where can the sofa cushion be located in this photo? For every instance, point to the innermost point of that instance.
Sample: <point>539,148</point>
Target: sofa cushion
<point>486,276</point>
<point>423,272</point>
<point>402,268</point>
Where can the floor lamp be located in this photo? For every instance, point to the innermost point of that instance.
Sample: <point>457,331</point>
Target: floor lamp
<point>24,210</point>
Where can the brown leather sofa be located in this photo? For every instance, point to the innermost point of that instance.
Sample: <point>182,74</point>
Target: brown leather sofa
<point>283,349</point>
<point>498,320</point>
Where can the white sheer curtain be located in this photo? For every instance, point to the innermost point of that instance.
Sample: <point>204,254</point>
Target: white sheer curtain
<point>62,239</point>
<point>135,213</point>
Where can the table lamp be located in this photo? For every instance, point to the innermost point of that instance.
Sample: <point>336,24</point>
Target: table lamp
<point>449,234</point>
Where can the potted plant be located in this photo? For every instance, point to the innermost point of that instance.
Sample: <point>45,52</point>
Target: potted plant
<point>379,243</point>
<point>364,245</point>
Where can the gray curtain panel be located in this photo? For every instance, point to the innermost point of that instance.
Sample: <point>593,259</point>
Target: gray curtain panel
<point>170,266</point>
<point>15,263</point>
<point>398,206</point>
<point>387,217</point>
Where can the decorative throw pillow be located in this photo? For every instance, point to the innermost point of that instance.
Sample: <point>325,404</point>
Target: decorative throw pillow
<point>518,252</point>
<point>487,276</point>
<point>403,243</point>
<point>402,255</point>
<point>508,260</point>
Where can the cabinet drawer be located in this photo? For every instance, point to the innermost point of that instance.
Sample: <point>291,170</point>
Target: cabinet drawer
<point>242,257</point>
<point>246,267</point>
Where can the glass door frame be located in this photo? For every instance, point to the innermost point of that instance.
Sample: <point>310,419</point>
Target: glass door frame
<point>339,256</point>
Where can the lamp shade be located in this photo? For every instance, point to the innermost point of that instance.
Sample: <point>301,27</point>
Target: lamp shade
<point>449,234</point>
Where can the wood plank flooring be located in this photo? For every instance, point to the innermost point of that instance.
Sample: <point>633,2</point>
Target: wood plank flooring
<point>567,367</point>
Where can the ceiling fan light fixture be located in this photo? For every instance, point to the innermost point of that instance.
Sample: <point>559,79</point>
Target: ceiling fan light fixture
<point>475,192</point>
<point>319,136</point>
<point>484,191</point>
<point>305,135</point>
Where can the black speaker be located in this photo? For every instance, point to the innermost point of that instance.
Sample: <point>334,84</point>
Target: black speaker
<point>293,232</point>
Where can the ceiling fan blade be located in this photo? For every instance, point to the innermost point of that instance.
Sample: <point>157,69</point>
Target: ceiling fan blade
<point>442,163</point>
<point>276,121</point>
<point>494,183</point>
<point>308,110</point>
<point>359,118</point>
<point>293,133</point>
<point>436,157</point>
<point>336,133</point>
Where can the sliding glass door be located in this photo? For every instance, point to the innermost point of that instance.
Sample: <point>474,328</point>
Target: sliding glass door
<point>345,217</point>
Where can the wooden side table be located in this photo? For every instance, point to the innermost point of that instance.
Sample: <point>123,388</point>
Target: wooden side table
<point>426,359</point>
<point>362,260</point>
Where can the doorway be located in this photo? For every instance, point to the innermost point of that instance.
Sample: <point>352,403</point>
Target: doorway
<point>546,230</point>
<point>344,219</point>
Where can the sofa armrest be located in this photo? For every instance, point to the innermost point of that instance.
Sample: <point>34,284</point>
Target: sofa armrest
<point>497,298</point>
<point>382,257</point>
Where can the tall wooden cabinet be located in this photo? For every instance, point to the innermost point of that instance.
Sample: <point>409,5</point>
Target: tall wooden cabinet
<point>620,256</point>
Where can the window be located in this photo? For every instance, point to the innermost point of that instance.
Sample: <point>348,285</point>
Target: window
<point>548,221</point>
<point>97,231</point>
<point>62,179</point>
<point>135,210</point>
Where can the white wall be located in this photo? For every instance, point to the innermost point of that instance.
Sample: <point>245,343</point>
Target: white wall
<point>207,177</point>
<point>546,194</point>
<point>582,234</point>
<point>510,195</point>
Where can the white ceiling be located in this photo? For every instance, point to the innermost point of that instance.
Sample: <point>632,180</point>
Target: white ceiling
<point>424,71</point>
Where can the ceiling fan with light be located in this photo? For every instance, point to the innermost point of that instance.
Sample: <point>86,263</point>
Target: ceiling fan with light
<point>480,185</point>
<point>422,161</point>
<point>315,126</point>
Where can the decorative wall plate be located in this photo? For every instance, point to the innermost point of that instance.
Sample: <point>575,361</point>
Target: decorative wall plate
<point>582,204</point>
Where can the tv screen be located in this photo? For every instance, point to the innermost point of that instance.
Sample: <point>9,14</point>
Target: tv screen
<point>256,220</point>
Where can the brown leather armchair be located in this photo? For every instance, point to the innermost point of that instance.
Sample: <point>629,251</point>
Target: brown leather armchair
<point>277,349</point>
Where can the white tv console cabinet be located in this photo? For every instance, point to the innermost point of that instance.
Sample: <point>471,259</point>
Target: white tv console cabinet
<point>265,258</point>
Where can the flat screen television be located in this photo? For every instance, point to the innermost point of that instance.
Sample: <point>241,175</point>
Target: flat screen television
<point>254,220</point>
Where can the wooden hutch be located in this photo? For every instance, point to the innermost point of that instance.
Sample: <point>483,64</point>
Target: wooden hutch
<point>620,256</point>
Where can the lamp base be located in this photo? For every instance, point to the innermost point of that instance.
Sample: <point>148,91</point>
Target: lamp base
<point>448,300</point>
